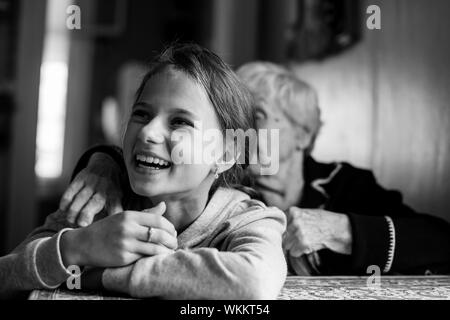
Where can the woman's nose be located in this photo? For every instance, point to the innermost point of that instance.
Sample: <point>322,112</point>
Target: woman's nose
<point>153,132</point>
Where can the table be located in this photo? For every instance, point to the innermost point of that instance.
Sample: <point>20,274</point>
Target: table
<point>318,288</point>
<point>356,288</point>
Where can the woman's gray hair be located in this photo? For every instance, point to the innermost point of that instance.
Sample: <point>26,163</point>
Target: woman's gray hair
<point>297,99</point>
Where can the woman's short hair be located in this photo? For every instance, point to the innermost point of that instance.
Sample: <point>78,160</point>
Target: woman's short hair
<point>230,98</point>
<point>297,99</point>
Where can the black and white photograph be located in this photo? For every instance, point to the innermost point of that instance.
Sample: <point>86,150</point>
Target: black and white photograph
<point>231,150</point>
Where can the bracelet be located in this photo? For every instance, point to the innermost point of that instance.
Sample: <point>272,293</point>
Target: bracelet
<point>391,250</point>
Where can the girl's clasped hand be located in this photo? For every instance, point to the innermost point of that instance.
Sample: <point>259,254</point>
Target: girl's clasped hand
<point>120,239</point>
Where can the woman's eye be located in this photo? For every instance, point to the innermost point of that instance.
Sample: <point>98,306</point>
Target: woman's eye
<point>260,115</point>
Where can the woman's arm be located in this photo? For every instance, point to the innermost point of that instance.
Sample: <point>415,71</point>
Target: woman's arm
<point>389,234</point>
<point>245,263</point>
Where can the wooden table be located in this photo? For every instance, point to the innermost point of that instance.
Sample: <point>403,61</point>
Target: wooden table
<point>319,288</point>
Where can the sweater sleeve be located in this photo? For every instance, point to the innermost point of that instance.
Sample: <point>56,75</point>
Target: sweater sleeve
<point>389,234</point>
<point>36,263</point>
<point>248,264</point>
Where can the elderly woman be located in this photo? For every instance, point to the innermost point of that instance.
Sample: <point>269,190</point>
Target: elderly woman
<point>340,220</point>
<point>347,221</point>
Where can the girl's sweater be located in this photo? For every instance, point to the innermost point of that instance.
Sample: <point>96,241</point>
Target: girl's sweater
<point>232,251</point>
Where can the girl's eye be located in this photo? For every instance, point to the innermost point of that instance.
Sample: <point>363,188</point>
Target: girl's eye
<point>139,114</point>
<point>181,122</point>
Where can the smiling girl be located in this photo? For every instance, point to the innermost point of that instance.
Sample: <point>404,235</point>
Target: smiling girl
<point>194,235</point>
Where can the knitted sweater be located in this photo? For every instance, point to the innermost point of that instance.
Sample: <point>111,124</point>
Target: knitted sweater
<point>231,251</point>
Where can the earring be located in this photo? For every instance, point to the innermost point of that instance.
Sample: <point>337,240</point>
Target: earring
<point>216,173</point>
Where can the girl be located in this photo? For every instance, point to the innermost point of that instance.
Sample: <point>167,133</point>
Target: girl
<point>201,237</point>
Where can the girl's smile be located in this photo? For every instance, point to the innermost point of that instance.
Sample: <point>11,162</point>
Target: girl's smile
<point>148,162</point>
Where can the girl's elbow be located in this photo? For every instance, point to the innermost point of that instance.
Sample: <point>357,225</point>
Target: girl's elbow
<point>263,285</point>
<point>259,291</point>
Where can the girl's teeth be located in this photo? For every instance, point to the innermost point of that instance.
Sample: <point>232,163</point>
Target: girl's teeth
<point>143,158</point>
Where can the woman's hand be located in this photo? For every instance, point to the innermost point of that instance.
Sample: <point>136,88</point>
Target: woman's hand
<point>120,239</point>
<point>310,230</point>
<point>95,188</point>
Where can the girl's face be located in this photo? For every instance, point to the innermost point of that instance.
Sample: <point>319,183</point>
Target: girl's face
<point>171,101</point>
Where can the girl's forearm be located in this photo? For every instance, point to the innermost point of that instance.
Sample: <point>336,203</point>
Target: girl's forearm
<point>35,264</point>
<point>200,274</point>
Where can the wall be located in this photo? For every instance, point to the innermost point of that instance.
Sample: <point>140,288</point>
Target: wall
<point>21,218</point>
<point>385,102</point>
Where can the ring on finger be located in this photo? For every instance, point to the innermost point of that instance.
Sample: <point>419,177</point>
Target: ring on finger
<point>149,234</point>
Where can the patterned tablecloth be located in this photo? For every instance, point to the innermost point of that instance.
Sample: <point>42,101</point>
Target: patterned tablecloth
<point>357,288</point>
<point>318,288</point>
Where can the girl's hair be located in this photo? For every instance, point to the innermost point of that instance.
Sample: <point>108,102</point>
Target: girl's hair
<point>231,100</point>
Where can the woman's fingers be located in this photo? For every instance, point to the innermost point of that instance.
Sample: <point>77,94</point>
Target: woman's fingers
<point>114,205</point>
<point>298,249</point>
<point>158,236</point>
<point>71,192</point>
<point>81,199</point>
<point>94,206</point>
<point>288,241</point>
<point>293,240</point>
<point>314,261</point>
<point>78,195</point>
<point>301,266</point>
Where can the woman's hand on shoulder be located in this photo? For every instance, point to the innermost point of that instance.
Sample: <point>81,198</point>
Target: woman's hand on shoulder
<point>95,188</point>
<point>120,239</point>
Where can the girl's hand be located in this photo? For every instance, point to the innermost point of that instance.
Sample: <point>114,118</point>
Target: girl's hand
<point>120,239</point>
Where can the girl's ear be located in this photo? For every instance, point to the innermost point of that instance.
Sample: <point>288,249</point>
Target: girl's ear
<point>304,139</point>
<point>223,165</point>
<point>228,159</point>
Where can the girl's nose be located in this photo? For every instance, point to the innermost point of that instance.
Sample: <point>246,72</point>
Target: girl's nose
<point>153,132</point>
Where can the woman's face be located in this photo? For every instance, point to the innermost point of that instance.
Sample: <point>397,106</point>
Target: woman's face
<point>269,115</point>
<point>171,103</point>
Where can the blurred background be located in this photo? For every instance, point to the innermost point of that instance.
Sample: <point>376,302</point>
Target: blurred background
<point>384,94</point>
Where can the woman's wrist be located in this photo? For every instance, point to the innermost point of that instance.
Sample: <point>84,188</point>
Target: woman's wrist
<point>102,158</point>
<point>105,165</point>
<point>70,246</point>
<point>344,234</point>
